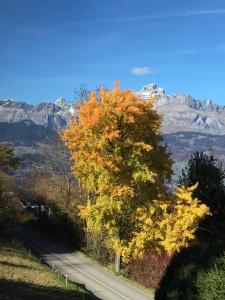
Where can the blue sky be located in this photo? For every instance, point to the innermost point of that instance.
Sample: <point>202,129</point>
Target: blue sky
<point>50,47</point>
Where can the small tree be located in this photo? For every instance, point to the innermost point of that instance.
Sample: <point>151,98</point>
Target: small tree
<point>210,284</point>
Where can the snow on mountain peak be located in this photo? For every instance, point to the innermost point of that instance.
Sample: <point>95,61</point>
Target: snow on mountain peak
<point>150,90</point>
<point>61,102</point>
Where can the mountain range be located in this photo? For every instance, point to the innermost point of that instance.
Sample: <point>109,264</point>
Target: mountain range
<point>189,125</point>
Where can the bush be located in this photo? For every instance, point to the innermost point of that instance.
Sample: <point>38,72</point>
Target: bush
<point>211,285</point>
<point>149,269</point>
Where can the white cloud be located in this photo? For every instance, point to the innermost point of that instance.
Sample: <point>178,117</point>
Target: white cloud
<point>204,12</point>
<point>147,17</point>
<point>139,71</point>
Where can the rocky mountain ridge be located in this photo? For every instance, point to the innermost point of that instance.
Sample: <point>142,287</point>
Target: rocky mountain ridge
<point>180,112</point>
<point>47,114</point>
<point>184,113</point>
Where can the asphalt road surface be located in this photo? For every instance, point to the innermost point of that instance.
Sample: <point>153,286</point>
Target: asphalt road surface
<point>78,268</point>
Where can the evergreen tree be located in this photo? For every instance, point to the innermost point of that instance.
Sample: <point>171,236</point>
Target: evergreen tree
<point>208,173</point>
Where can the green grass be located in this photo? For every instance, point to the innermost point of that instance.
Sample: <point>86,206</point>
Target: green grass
<point>23,277</point>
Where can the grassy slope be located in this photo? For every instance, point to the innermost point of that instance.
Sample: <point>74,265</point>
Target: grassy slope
<point>23,277</point>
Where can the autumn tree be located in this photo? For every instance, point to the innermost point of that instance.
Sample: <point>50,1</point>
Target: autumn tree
<point>58,177</point>
<point>56,193</point>
<point>119,158</point>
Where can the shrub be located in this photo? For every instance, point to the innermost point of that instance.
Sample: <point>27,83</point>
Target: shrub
<point>211,285</point>
<point>149,269</point>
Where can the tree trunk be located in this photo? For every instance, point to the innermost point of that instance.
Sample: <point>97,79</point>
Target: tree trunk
<point>117,263</point>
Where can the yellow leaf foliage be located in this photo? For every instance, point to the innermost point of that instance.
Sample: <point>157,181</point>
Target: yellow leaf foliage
<point>161,225</point>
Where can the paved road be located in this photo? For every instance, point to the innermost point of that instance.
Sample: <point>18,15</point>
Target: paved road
<point>102,284</point>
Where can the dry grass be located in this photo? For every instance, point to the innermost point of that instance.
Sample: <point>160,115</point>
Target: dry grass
<point>23,277</point>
